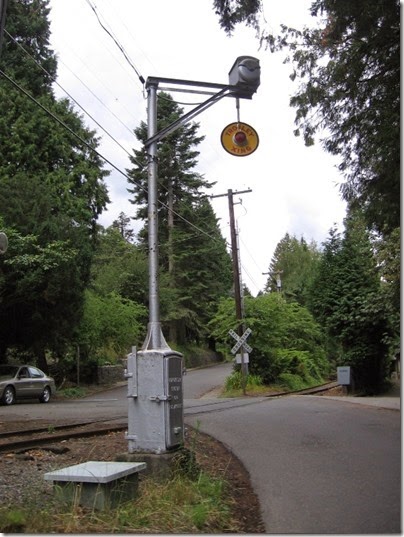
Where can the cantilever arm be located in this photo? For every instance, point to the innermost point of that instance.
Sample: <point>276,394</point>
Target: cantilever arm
<point>189,115</point>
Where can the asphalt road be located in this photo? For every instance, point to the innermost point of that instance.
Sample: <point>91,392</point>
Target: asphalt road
<point>319,465</point>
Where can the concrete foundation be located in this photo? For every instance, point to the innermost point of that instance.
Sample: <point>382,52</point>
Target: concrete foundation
<point>164,465</point>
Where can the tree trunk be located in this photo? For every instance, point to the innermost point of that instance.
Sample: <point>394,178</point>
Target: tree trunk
<point>41,360</point>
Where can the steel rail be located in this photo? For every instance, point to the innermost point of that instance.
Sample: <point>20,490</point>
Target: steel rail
<point>44,436</point>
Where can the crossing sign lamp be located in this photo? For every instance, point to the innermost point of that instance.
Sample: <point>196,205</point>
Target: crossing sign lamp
<point>239,139</point>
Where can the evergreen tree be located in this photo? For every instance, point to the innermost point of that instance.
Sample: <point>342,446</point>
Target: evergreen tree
<point>347,300</point>
<point>190,261</point>
<point>203,271</point>
<point>325,292</point>
<point>119,267</point>
<point>51,190</point>
<point>122,225</point>
<point>388,255</point>
<point>295,263</point>
<point>177,180</point>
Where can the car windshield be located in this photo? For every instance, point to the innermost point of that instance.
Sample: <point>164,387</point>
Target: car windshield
<point>8,371</point>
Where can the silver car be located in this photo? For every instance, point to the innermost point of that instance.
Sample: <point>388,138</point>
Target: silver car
<point>24,382</point>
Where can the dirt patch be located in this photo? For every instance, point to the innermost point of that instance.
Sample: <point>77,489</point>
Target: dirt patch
<point>337,391</point>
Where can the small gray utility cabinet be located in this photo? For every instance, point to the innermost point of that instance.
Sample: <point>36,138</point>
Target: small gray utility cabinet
<point>97,484</point>
<point>344,375</point>
<point>155,401</point>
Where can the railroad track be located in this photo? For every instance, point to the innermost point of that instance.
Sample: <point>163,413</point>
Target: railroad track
<point>308,391</point>
<point>24,439</point>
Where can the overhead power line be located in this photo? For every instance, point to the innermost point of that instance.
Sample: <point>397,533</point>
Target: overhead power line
<point>89,146</point>
<point>68,94</point>
<point>199,230</point>
<point>63,124</point>
<point>142,80</point>
<point>96,96</point>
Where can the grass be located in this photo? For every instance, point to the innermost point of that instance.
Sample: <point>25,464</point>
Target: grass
<point>291,382</point>
<point>73,392</point>
<point>254,386</point>
<point>189,502</point>
<point>233,386</point>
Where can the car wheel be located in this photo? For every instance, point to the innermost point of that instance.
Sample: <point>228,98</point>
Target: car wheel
<point>45,395</point>
<point>8,396</point>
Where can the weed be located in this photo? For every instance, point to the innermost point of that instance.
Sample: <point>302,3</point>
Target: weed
<point>12,521</point>
<point>73,392</point>
<point>178,505</point>
<point>200,514</point>
<point>295,382</point>
<point>234,383</point>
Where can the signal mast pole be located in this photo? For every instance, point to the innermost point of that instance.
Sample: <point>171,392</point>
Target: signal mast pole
<point>155,393</point>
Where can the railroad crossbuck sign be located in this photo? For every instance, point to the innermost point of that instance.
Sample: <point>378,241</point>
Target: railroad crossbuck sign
<point>241,341</point>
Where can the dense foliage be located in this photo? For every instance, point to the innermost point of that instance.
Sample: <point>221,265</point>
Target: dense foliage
<point>286,340</point>
<point>348,70</point>
<point>109,327</point>
<point>51,193</point>
<point>347,298</point>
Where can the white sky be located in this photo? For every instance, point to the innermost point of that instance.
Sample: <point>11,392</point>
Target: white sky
<point>294,188</point>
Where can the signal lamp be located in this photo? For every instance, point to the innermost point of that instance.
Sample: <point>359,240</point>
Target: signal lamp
<point>240,138</point>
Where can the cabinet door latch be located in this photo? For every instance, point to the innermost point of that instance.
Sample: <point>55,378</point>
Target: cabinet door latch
<point>159,398</point>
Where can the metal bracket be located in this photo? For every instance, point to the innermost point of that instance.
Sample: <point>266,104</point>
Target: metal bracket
<point>189,115</point>
<point>159,398</point>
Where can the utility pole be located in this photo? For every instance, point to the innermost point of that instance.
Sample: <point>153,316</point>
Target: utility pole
<point>277,279</point>
<point>236,276</point>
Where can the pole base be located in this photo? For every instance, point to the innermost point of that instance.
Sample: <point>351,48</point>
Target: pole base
<point>155,340</point>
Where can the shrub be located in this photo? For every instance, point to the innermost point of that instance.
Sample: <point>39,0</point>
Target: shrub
<point>291,382</point>
<point>235,381</point>
<point>285,338</point>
